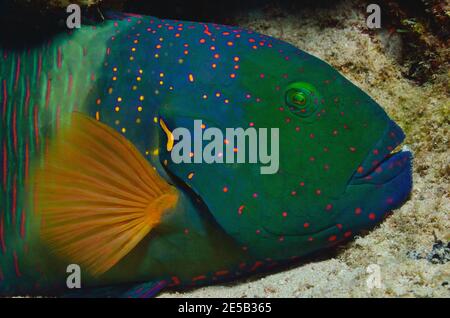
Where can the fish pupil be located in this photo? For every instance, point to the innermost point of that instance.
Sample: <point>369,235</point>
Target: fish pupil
<point>299,98</point>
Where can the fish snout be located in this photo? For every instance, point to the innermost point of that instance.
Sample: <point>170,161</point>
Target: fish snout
<point>386,160</point>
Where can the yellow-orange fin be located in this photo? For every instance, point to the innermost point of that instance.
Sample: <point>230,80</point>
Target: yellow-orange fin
<point>97,195</point>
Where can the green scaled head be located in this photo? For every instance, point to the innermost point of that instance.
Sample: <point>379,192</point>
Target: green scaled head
<point>335,174</point>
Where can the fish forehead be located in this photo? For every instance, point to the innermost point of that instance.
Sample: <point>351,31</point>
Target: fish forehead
<point>175,66</point>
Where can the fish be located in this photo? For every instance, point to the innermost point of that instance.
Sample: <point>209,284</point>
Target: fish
<point>87,176</point>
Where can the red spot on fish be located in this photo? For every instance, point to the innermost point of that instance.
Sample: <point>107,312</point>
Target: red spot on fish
<point>16,264</point>
<point>332,238</point>
<point>197,278</point>
<point>306,225</point>
<point>329,207</point>
<point>358,211</point>
<point>256,265</point>
<point>22,225</point>
<point>284,214</point>
<point>16,82</point>
<point>206,31</point>
<point>221,273</point>
<point>372,216</point>
<point>175,281</point>
<point>347,234</point>
<point>59,59</point>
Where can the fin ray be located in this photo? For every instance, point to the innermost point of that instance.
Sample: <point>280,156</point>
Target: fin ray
<point>97,195</point>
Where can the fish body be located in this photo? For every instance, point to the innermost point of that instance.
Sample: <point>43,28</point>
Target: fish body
<point>85,127</point>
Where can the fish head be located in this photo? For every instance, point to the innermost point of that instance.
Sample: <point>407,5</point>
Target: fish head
<point>336,173</point>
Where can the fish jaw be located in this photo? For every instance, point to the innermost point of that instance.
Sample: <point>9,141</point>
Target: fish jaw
<point>382,183</point>
<point>382,163</point>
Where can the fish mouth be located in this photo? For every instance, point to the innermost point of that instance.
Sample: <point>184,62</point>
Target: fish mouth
<point>386,161</point>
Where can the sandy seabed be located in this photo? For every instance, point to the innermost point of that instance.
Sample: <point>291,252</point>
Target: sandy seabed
<point>401,244</point>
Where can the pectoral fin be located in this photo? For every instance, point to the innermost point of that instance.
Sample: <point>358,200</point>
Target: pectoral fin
<point>97,195</point>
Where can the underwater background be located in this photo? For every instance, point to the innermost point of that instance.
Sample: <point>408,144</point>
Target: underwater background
<point>404,66</point>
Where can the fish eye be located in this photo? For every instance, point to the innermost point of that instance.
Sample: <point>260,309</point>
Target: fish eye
<point>301,99</point>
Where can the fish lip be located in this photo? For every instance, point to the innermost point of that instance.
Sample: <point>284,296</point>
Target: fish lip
<point>383,154</point>
<point>399,158</point>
